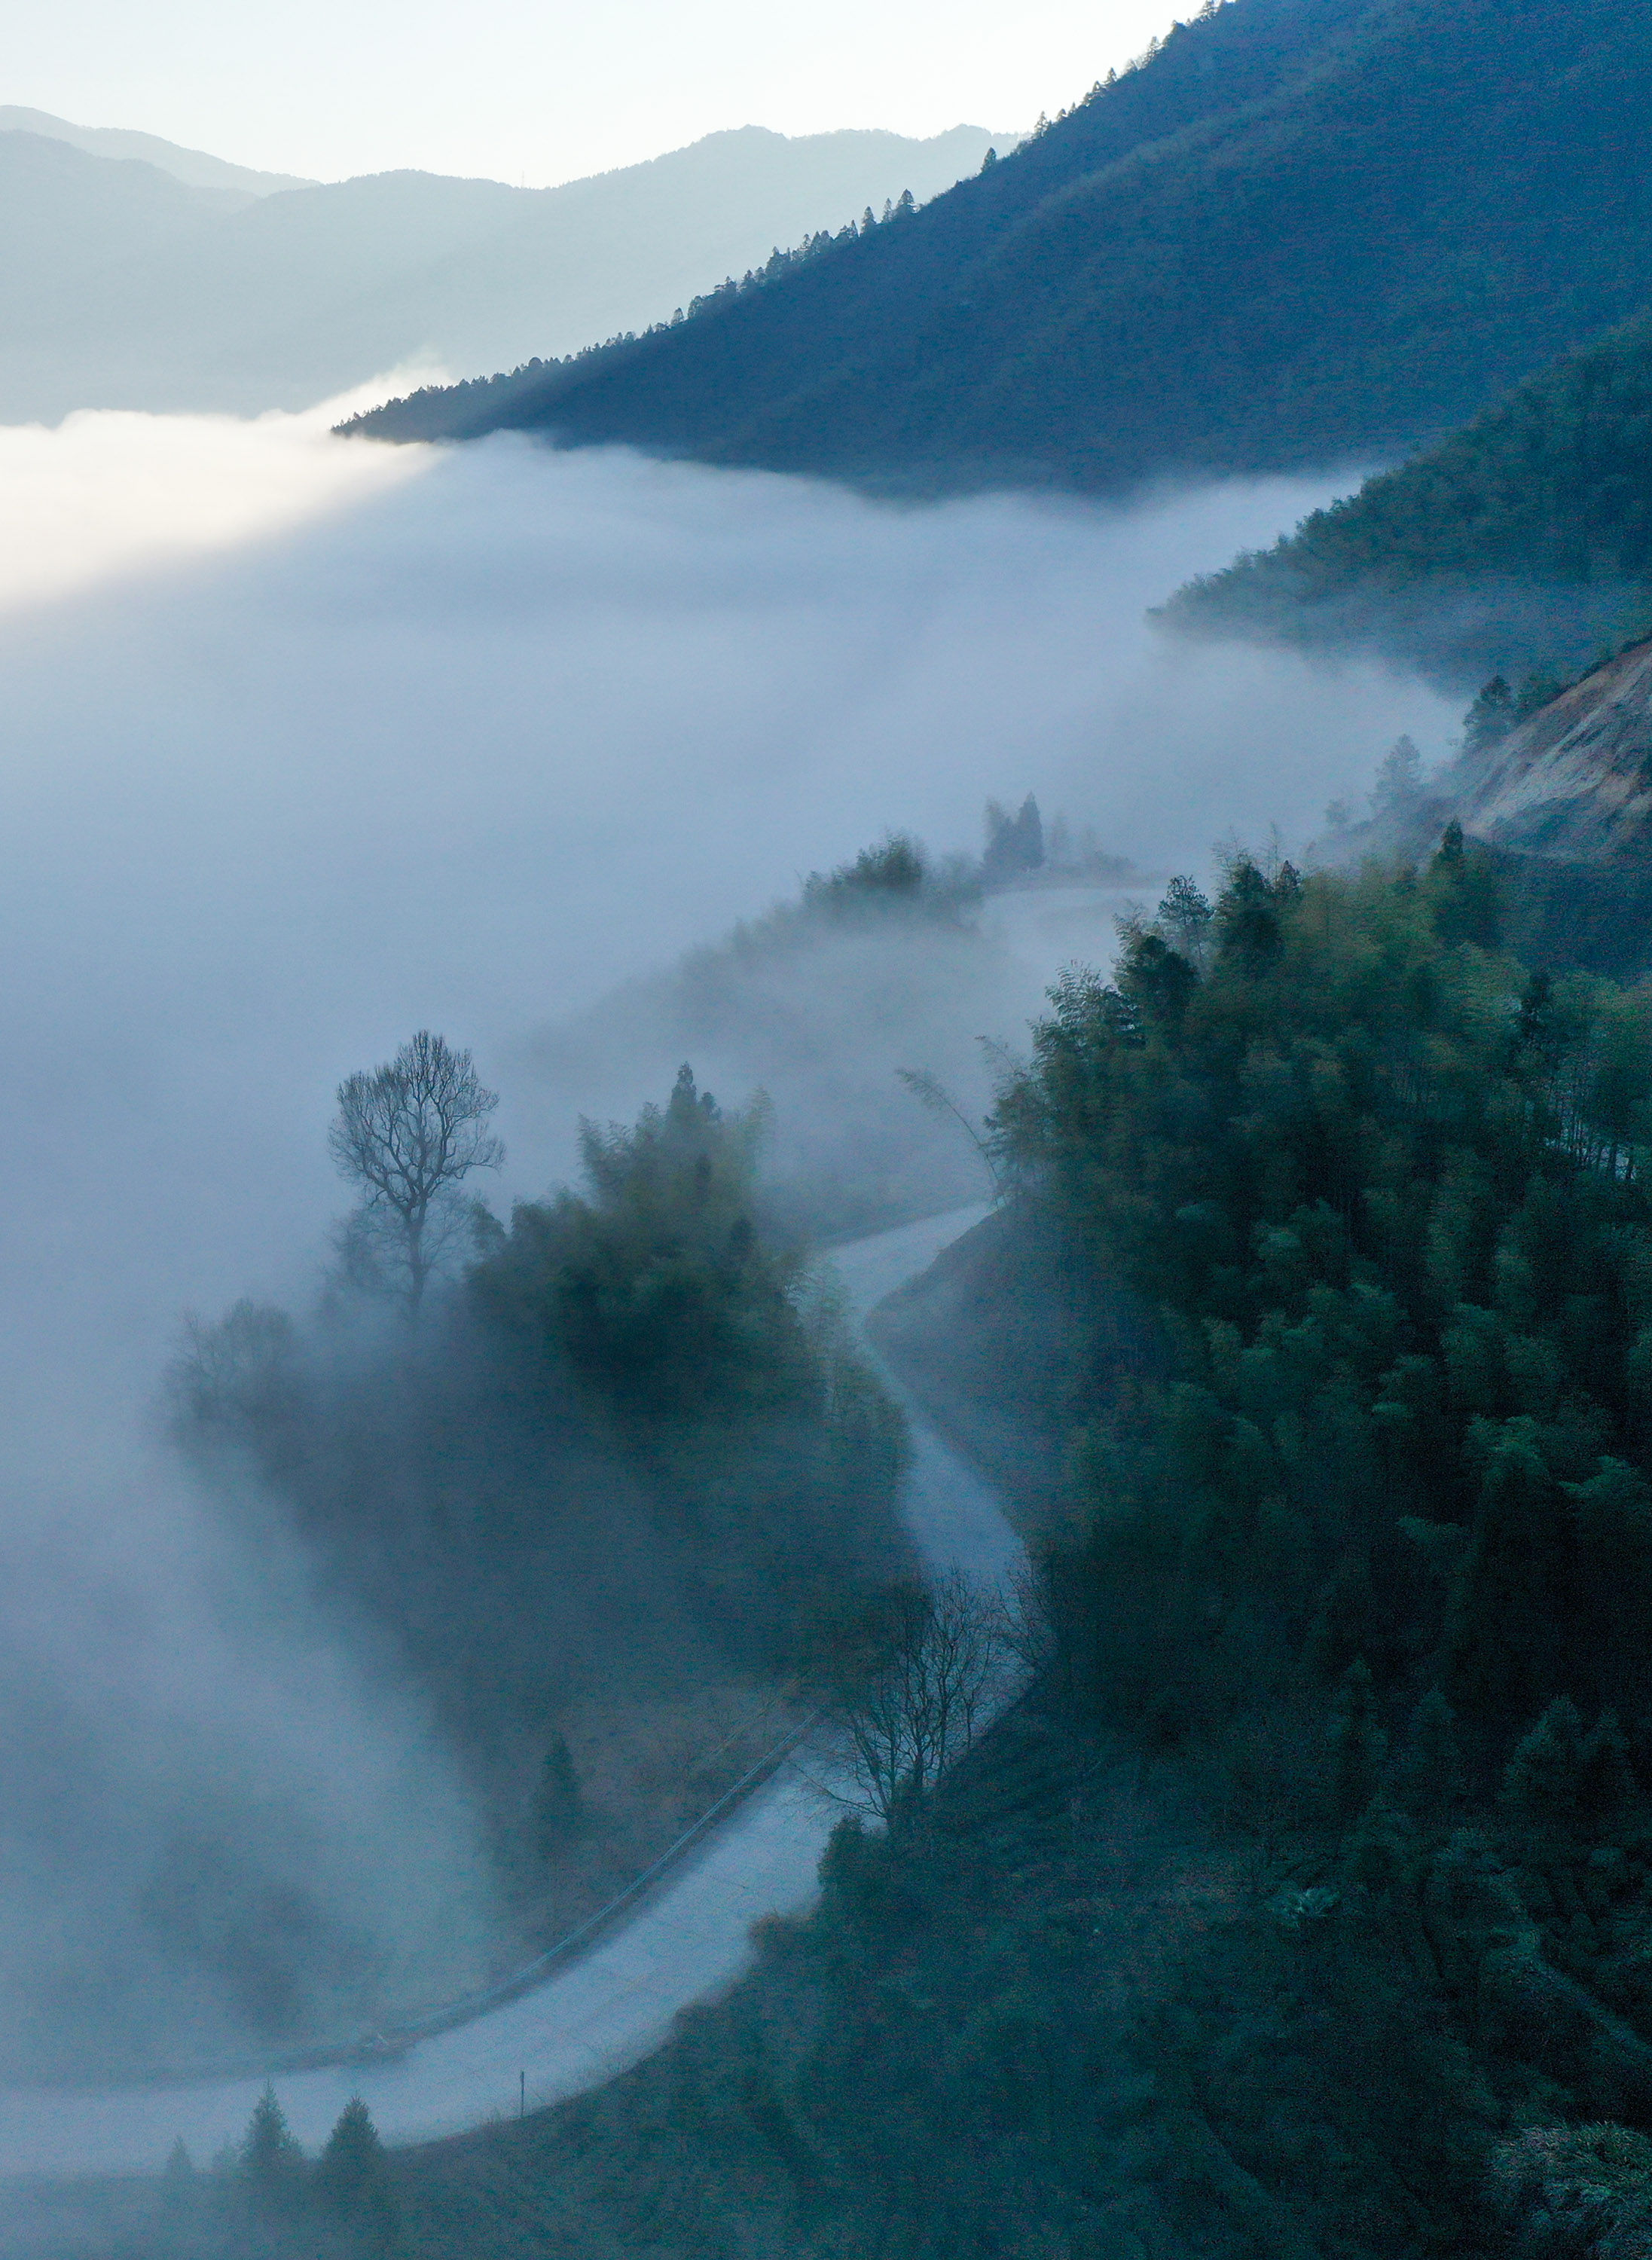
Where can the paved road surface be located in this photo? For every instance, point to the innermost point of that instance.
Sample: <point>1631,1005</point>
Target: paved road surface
<point>613,2006</point>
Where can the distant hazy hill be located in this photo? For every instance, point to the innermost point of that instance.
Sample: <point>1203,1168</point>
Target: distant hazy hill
<point>1301,231</point>
<point>1519,543</point>
<point>126,287</point>
<point>193,166</point>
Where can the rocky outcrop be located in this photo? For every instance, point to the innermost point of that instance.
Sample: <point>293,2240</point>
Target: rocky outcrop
<point>1574,780</point>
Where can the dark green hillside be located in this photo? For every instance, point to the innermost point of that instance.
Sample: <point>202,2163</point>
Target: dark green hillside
<point>1302,229</point>
<point>1521,540</point>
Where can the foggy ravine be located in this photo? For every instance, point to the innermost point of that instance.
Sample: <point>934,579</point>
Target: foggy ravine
<point>309,744</point>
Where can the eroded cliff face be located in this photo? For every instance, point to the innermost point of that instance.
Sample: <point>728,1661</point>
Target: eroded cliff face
<point>1574,780</point>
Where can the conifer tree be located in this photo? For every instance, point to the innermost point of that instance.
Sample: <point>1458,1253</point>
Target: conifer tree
<point>1185,917</point>
<point>1030,834</point>
<point>1463,891</point>
<point>272,2164</point>
<point>1513,1597</point>
<point>1430,1779</point>
<point>1543,1785</point>
<point>179,2189</point>
<point>1490,717</point>
<point>1613,1511</point>
<point>1611,1793</point>
<point>1399,786</point>
<point>353,2182</point>
<point>1381,1847</point>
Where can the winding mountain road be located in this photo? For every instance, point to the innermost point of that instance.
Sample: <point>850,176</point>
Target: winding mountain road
<point>605,2012</point>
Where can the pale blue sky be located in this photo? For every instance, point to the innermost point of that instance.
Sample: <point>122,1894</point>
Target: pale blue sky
<point>542,90</point>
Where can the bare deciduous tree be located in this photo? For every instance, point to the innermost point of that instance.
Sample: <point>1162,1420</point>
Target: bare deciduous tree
<point>408,1135</point>
<point>944,1668</point>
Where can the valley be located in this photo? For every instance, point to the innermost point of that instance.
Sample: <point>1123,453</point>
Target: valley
<point>826,1419</point>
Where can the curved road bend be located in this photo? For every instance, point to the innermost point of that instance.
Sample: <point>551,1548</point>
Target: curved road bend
<point>605,2012</point>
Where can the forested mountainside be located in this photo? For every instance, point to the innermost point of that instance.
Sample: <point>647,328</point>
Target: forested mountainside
<point>1300,231</point>
<point>128,287</point>
<point>1518,543</point>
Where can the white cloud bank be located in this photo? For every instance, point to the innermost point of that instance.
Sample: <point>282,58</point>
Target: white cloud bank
<point>106,492</point>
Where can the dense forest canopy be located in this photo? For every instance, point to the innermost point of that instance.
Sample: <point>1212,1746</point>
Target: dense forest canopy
<point>1387,1189</point>
<point>1374,1531</point>
<point>1300,231</point>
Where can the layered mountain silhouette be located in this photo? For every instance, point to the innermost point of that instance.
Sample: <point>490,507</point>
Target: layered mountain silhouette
<point>193,166</point>
<point>1299,232</point>
<point>137,275</point>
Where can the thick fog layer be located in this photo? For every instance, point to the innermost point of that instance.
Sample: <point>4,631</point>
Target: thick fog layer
<point>310,743</point>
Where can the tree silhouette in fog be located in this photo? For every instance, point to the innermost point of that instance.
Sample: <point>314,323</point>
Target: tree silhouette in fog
<point>408,1135</point>
<point>273,2171</point>
<point>353,2182</point>
<point>1015,844</point>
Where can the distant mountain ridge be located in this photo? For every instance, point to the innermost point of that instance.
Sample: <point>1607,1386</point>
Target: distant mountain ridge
<point>1301,231</point>
<point>193,166</point>
<point>127,288</point>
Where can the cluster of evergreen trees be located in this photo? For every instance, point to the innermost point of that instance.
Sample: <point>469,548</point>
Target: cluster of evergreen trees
<point>265,2201</point>
<point>1390,1191</point>
<point>1014,842</point>
<point>1305,1906</point>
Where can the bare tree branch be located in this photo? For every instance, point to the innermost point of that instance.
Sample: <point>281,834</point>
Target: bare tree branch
<point>408,1135</point>
<point>945,1668</point>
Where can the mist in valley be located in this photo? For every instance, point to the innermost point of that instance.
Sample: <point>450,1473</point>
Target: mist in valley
<point>311,744</point>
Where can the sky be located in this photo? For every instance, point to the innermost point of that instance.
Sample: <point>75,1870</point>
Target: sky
<point>538,91</point>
